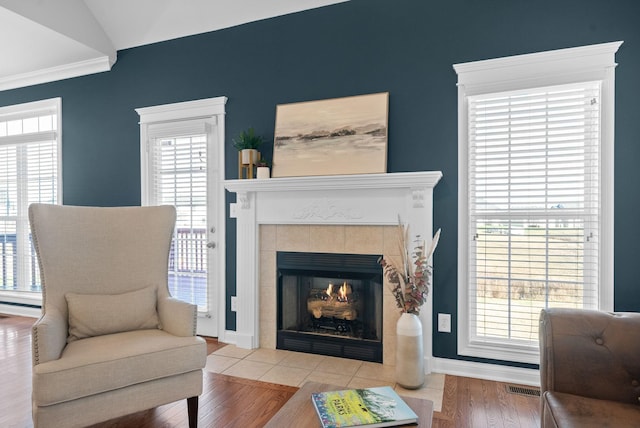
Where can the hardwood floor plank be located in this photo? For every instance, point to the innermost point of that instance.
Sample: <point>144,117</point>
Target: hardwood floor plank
<point>528,409</point>
<point>228,401</point>
<point>507,407</point>
<point>476,399</point>
<point>445,418</point>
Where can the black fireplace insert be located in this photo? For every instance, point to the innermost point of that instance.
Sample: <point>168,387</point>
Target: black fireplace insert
<point>330,304</point>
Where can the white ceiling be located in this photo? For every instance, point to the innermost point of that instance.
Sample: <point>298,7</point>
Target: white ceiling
<point>47,40</point>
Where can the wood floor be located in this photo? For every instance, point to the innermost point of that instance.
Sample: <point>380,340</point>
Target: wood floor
<point>233,402</point>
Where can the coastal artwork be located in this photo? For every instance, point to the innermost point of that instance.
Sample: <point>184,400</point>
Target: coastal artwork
<point>331,137</point>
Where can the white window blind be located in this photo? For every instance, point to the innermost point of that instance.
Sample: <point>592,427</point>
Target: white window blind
<point>533,185</point>
<point>178,176</point>
<point>29,172</point>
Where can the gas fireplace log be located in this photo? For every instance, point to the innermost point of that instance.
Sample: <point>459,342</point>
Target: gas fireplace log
<point>332,309</point>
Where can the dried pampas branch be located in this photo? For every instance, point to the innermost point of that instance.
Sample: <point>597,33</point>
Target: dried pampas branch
<point>410,283</point>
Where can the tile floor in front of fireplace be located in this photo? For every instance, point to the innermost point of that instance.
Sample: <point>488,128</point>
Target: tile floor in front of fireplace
<point>296,368</point>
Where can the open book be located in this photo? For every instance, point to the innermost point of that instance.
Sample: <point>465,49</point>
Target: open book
<point>369,407</point>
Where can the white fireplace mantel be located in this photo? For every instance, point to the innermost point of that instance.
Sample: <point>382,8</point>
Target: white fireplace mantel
<point>365,199</point>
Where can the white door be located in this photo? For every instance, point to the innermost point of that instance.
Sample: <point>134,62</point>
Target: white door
<point>181,167</point>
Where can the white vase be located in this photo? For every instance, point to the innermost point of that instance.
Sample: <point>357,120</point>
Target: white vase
<point>409,352</point>
<point>262,172</point>
<point>249,156</point>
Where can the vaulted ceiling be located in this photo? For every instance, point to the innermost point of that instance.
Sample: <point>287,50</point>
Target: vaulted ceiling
<point>48,40</point>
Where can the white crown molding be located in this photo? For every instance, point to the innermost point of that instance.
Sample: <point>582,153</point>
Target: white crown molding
<point>578,64</point>
<point>206,107</point>
<point>67,71</point>
<point>591,53</point>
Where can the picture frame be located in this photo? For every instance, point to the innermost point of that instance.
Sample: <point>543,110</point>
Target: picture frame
<point>337,136</point>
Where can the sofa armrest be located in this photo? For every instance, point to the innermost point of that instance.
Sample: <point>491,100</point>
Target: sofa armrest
<point>48,337</point>
<point>177,317</point>
<point>590,353</point>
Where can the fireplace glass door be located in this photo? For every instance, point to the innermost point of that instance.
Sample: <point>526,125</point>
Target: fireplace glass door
<point>330,304</point>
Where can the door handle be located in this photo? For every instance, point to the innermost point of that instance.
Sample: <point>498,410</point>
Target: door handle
<point>211,244</point>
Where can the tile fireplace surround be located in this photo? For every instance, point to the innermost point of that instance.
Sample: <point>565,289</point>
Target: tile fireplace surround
<point>333,214</point>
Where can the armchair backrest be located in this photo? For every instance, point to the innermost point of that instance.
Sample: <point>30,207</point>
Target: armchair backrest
<point>590,353</point>
<point>93,250</point>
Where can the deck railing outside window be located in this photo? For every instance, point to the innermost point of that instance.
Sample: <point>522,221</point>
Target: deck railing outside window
<point>187,265</point>
<point>9,263</point>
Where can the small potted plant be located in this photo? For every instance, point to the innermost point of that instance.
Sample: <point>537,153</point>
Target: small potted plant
<point>262,170</point>
<point>247,143</point>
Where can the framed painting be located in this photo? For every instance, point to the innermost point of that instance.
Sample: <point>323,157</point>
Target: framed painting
<point>331,137</point>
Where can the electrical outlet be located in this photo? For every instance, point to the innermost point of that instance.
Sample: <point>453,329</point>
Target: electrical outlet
<point>444,323</point>
<point>234,306</point>
<point>233,210</point>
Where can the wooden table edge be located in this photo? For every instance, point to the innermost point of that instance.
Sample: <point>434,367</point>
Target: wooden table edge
<point>299,408</point>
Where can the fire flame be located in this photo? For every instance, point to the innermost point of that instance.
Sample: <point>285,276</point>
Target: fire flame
<point>342,292</point>
<point>329,290</point>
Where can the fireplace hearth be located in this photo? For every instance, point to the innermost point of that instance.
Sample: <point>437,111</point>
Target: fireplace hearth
<point>330,304</point>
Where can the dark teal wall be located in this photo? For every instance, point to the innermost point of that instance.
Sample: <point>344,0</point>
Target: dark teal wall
<point>405,47</point>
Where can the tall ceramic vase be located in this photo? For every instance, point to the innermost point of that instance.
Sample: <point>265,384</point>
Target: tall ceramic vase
<point>409,352</point>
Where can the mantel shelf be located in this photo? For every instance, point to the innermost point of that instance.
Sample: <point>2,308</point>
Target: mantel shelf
<point>426,179</point>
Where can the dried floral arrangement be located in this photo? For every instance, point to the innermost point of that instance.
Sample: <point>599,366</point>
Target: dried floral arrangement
<point>411,281</point>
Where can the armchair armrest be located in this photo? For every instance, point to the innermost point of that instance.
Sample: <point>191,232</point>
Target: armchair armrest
<point>590,353</point>
<point>48,336</point>
<point>177,317</point>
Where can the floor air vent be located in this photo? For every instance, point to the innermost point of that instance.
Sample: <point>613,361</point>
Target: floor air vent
<point>530,392</point>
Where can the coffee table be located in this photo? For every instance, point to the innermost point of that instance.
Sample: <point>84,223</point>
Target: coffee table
<point>299,410</point>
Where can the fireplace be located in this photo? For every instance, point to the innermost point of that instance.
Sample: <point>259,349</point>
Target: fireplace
<point>325,214</point>
<point>330,304</point>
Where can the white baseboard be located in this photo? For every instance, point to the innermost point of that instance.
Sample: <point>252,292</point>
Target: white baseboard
<point>23,311</point>
<point>228,337</point>
<point>500,373</point>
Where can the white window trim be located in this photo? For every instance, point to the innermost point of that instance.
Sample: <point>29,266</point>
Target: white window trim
<point>557,67</point>
<point>21,303</point>
<point>214,110</point>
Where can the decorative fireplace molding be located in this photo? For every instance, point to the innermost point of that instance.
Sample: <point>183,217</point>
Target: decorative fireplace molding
<point>366,199</point>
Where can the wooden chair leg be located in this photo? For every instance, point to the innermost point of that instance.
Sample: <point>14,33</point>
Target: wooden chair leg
<point>192,409</point>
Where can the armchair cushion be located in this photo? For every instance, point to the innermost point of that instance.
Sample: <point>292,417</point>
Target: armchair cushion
<point>95,314</point>
<point>568,410</point>
<point>114,361</point>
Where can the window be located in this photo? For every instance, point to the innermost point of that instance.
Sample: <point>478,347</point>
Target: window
<point>536,224</point>
<point>29,172</point>
<point>178,166</point>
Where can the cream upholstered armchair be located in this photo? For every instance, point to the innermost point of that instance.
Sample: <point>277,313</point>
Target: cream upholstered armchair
<point>111,340</point>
